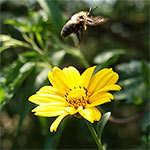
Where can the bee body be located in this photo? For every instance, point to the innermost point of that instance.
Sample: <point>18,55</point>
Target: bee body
<point>79,23</point>
<point>68,29</point>
<point>73,25</point>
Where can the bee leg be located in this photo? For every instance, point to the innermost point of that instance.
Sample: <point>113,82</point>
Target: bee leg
<point>79,34</point>
<point>78,37</point>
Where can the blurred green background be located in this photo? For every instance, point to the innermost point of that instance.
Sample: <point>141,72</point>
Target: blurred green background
<point>31,44</point>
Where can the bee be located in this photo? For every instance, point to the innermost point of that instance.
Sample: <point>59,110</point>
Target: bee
<point>79,23</point>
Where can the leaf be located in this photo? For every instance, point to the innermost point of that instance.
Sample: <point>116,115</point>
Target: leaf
<point>8,41</point>
<point>106,59</point>
<point>131,78</point>
<point>145,72</point>
<point>101,124</point>
<point>129,69</point>
<point>23,27</point>
<point>2,95</point>
<point>145,121</point>
<point>12,76</point>
<point>11,88</point>
<point>57,57</point>
<point>53,11</point>
<point>105,56</point>
<point>31,86</point>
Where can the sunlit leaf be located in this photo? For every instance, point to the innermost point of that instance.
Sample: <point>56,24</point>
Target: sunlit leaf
<point>8,41</point>
<point>2,93</point>
<point>57,57</point>
<point>101,124</point>
<point>13,75</point>
<point>37,78</point>
<point>10,88</point>
<point>114,55</point>
<point>23,27</point>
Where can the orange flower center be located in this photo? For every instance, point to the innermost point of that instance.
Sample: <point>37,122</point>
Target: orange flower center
<point>77,97</point>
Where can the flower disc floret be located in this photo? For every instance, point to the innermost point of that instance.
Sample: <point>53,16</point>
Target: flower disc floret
<point>78,96</point>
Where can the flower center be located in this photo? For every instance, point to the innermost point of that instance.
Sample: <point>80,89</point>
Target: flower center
<point>77,97</point>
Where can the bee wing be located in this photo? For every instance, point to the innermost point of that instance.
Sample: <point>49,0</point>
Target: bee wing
<point>93,21</point>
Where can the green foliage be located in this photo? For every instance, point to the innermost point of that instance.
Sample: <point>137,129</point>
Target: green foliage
<point>131,78</point>
<point>9,42</point>
<point>101,124</point>
<point>32,44</point>
<point>145,71</point>
<point>13,76</point>
<point>51,7</point>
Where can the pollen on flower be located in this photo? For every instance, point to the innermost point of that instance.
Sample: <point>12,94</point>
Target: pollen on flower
<point>78,96</point>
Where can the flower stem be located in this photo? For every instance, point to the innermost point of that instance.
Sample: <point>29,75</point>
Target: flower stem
<point>83,59</point>
<point>36,48</point>
<point>93,132</point>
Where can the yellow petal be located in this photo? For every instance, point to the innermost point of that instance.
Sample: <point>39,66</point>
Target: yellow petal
<point>50,110</point>
<point>49,90</point>
<point>50,107</point>
<point>70,110</point>
<point>86,76</point>
<point>59,80</point>
<point>100,95</point>
<point>100,101</point>
<point>40,99</point>
<point>73,76</point>
<point>110,88</point>
<point>91,114</point>
<point>104,77</point>
<point>49,114</point>
<point>57,122</point>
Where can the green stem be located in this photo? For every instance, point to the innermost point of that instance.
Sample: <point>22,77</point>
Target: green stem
<point>78,54</point>
<point>93,132</point>
<point>83,59</point>
<point>37,49</point>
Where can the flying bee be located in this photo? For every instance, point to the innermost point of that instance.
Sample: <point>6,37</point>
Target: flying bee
<point>79,23</point>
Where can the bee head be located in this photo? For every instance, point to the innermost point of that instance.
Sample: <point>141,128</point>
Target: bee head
<point>78,17</point>
<point>91,10</point>
<point>82,15</point>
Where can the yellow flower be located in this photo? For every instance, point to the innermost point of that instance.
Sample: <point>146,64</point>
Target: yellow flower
<point>72,93</point>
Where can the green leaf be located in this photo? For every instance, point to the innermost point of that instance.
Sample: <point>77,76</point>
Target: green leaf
<point>145,72</point>
<point>106,59</point>
<point>12,77</point>
<point>145,121</point>
<point>57,57</point>
<point>2,95</point>
<point>111,55</point>
<point>53,11</point>
<point>8,41</point>
<point>39,38</point>
<point>23,27</point>
<point>37,78</point>
<point>101,124</point>
<point>129,70</point>
<point>131,78</point>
